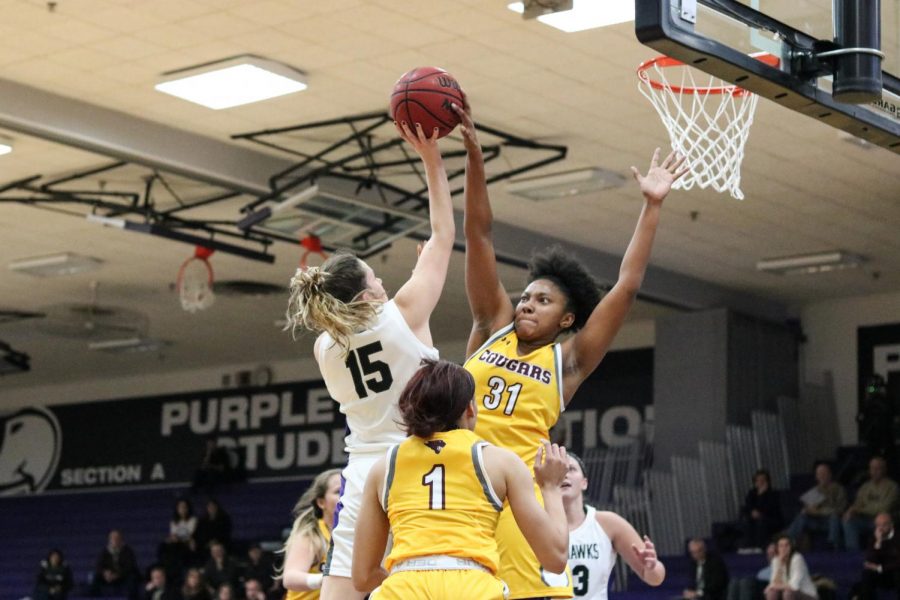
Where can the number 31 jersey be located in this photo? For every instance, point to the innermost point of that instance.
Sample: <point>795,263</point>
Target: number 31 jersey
<point>366,381</point>
<point>519,398</point>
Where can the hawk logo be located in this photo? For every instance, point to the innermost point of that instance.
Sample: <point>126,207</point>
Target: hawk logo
<point>30,444</point>
<point>436,445</point>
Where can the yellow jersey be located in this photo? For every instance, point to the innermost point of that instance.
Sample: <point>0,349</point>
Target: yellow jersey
<point>439,499</point>
<point>519,397</point>
<point>316,567</point>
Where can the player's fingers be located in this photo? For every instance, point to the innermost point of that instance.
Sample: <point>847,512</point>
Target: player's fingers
<point>636,174</point>
<point>680,173</point>
<point>681,158</point>
<point>435,134</point>
<point>420,133</point>
<point>404,127</point>
<point>655,160</point>
<point>539,459</point>
<point>670,157</point>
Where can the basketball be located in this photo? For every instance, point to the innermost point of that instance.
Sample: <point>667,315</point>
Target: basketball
<point>424,95</point>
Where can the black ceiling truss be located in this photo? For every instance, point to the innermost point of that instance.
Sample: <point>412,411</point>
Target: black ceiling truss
<point>366,149</point>
<point>362,149</point>
<point>144,200</point>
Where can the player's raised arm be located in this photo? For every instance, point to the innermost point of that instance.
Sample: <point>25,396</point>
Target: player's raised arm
<point>584,351</point>
<point>488,301</point>
<point>420,294</point>
<point>368,549</point>
<point>544,527</point>
<point>639,553</point>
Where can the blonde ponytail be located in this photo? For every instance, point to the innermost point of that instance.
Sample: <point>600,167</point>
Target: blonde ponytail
<point>325,299</point>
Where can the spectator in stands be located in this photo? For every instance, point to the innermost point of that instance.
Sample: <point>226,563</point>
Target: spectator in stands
<point>157,588</point>
<point>751,588</point>
<point>761,514</point>
<point>260,566</point>
<point>215,525</point>
<point>225,592</point>
<point>54,579</point>
<point>195,587</point>
<point>221,568</point>
<point>823,506</point>
<point>877,495</point>
<point>116,572</point>
<point>253,590</point>
<point>790,575</point>
<point>881,568</point>
<point>214,469</point>
<point>710,573</point>
<point>179,547</point>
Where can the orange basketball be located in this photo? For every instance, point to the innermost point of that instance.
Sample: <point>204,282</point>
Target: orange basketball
<point>424,95</point>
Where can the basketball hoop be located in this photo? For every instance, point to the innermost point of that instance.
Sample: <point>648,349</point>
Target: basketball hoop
<point>313,245</point>
<point>195,281</point>
<point>709,124</point>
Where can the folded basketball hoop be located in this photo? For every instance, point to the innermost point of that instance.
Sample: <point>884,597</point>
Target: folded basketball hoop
<point>709,124</point>
<point>195,281</point>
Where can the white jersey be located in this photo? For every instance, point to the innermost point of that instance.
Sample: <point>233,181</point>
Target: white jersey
<point>591,557</point>
<point>367,381</point>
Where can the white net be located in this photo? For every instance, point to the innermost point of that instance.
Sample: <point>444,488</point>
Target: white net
<point>708,121</point>
<point>195,285</point>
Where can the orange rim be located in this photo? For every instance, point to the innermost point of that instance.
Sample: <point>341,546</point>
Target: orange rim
<point>664,62</point>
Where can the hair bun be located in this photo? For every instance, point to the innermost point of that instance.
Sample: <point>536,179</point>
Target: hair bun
<point>311,278</point>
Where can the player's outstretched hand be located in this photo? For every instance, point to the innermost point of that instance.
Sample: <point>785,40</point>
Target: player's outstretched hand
<point>551,465</point>
<point>426,147</point>
<point>647,555</point>
<point>657,183</point>
<point>467,126</point>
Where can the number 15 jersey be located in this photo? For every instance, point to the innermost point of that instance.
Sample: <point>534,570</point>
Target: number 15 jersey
<point>519,397</point>
<point>367,380</point>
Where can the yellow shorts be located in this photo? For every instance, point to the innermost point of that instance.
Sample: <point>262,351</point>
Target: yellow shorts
<point>470,584</point>
<point>519,567</point>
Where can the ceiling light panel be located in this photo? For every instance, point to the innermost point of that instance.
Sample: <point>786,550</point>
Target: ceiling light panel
<point>233,82</point>
<point>585,14</point>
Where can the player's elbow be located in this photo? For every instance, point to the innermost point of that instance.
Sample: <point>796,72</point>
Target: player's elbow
<point>555,557</point>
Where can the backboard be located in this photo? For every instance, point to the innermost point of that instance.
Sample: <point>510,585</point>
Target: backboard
<point>718,36</point>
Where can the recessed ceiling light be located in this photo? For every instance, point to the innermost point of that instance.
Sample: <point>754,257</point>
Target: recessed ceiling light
<point>233,82</point>
<point>6,145</point>
<point>565,184</point>
<point>585,14</point>
<point>820,262</point>
<point>55,265</point>
<point>128,345</point>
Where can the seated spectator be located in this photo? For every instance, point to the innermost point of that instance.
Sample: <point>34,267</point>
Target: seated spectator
<point>220,568</point>
<point>823,506</point>
<point>877,495</point>
<point>260,567</point>
<point>54,579</point>
<point>751,588</point>
<point>215,525</point>
<point>881,568</point>
<point>225,592</point>
<point>195,587</point>
<point>176,552</point>
<point>790,576</point>
<point>253,590</point>
<point>116,572</point>
<point>710,575</point>
<point>214,469</point>
<point>761,514</point>
<point>157,588</point>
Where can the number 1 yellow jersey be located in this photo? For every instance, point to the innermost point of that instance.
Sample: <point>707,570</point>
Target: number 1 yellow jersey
<point>439,499</point>
<point>519,397</point>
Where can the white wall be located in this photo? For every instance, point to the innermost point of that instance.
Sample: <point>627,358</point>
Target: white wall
<point>830,328</point>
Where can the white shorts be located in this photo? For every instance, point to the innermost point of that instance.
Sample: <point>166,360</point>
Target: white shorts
<point>353,480</point>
